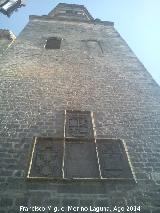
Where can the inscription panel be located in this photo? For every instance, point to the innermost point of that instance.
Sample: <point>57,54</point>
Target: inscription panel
<point>93,47</point>
<point>53,43</point>
<point>47,159</point>
<point>113,159</point>
<point>81,160</point>
<point>78,124</point>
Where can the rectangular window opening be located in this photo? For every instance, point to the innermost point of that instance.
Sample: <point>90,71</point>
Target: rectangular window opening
<point>53,43</point>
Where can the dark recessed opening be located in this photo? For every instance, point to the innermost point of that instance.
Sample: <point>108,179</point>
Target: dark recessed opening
<point>70,11</point>
<point>53,43</point>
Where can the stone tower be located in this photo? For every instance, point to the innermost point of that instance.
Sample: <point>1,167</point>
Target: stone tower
<point>80,119</point>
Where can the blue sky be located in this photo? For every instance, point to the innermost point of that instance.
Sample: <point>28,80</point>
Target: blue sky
<point>138,22</point>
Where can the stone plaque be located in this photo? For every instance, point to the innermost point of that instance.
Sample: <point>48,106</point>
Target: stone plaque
<point>80,161</point>
<point>46,160</point>
<point>94,48</point>
<point>53,43</point>
<point>78,124</point>
<point>113,159</point>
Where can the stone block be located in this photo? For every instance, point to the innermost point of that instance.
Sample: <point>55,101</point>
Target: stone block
<point>80,161</point>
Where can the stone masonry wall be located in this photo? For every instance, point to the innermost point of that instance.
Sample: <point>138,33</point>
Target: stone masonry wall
<point>37,85</point>
<point>3,46</point>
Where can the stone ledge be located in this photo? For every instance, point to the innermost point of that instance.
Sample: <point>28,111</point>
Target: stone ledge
<point>47,18</point>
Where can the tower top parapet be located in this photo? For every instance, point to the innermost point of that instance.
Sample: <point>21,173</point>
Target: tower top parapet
<point>71,12</point>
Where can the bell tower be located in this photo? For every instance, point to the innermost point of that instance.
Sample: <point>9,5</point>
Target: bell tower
<point>79,119</point>
<point>70,12</point>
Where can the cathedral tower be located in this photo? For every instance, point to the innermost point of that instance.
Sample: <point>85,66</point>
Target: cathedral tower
<point>80,119</point>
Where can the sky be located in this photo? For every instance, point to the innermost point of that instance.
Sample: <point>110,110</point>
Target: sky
<point>138,22</point>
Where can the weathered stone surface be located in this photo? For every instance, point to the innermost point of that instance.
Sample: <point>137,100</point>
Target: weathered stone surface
<point>80,161</point>
<point>47,159</point>
<point>113,159</point>
<point>70,12</point>
<point>5,202</point>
